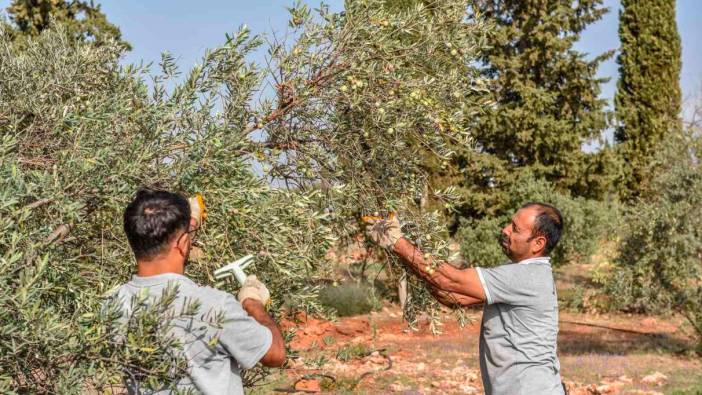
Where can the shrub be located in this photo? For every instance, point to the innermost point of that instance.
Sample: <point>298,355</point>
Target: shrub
<point>659,265</point>
<point>586,223</point>
<point>349,299</point>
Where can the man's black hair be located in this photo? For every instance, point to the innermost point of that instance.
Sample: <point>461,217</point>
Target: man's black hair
<point>548,223</point>
<point>152,219</point>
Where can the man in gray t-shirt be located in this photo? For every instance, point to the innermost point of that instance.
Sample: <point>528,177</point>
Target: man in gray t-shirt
<point>226,334</point>
<point>520,319</point>
<point>213,368</point>
<point>519,329</point>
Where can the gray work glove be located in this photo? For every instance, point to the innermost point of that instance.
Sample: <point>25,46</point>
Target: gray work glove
<point>384,232</point>
<point>254,289</point>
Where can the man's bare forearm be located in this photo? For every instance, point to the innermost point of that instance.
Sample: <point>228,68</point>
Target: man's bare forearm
<point>444,277</point>
<point>453,299</point>
<point>414,258</point>
<point>441,278</point>
<point>258,312</point>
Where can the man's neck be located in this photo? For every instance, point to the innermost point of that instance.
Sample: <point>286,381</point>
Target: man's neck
<point>158,266</point>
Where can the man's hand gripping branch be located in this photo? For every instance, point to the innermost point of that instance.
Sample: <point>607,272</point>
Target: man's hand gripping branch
<point>450,286</point>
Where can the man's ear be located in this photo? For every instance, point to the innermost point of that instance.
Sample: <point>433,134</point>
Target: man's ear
<point>539,245</point>
<point>181,244</point>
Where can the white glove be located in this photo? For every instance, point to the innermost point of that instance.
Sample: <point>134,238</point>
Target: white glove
<point>254,289</point>
<point>384,232</point>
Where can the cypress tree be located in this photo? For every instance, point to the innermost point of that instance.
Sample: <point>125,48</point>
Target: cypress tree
<point>545,92</point>
<point>648,99</point>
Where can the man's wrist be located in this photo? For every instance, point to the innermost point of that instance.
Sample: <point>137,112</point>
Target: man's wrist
<point>251,303</point>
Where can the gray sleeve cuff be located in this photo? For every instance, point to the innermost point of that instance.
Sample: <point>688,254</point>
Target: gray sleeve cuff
<point>485,288</point>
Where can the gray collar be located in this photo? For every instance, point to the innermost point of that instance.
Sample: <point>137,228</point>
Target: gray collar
<point>540,259</point>
<point>159,279</point>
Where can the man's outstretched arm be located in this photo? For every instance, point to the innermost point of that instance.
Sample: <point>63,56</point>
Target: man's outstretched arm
<point>450,282</point>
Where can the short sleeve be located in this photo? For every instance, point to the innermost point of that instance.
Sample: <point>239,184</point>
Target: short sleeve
<point>509,284</point>
<point>242,337</point>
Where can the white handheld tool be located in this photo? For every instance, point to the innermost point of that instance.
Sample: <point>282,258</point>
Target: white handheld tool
<point>236,269</point>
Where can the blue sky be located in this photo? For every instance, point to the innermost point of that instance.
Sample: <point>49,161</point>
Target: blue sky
<point>186,28</point>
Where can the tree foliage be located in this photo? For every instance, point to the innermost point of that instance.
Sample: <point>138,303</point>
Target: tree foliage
<point>647,100</point>
<point>362,99</point>
<point>82,19</point>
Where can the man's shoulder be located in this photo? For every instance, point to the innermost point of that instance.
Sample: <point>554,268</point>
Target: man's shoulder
<point>187,288</point>
<point>507,267</point>
<point>207,295</point>
<point>213,294</point>
<point>528,266</point>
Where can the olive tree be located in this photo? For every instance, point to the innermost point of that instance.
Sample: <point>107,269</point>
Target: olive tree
<point>80,134</point>
<point>364,101</point>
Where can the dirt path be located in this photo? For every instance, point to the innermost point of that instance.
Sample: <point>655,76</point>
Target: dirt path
<point>378,353</point>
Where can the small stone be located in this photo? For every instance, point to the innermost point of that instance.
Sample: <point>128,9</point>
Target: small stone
<point>625,379</point>
<point>608,388</point>
<point>468,389</point>
<point>308,385</point>
<point>656,378</point>
<point>352,328</point>
<point>397,387</point>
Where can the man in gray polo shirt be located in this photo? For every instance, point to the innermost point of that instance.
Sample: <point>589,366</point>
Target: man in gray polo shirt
<point>520,319</point>
<point>160,229</point>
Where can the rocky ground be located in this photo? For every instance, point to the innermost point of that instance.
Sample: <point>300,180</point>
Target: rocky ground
<point>378,353</point>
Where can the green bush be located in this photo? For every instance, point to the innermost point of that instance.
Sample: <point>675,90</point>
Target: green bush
<point>349,299</point>
<point>572,298</point>
<point>586,223</point>
<point>659,262</point>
